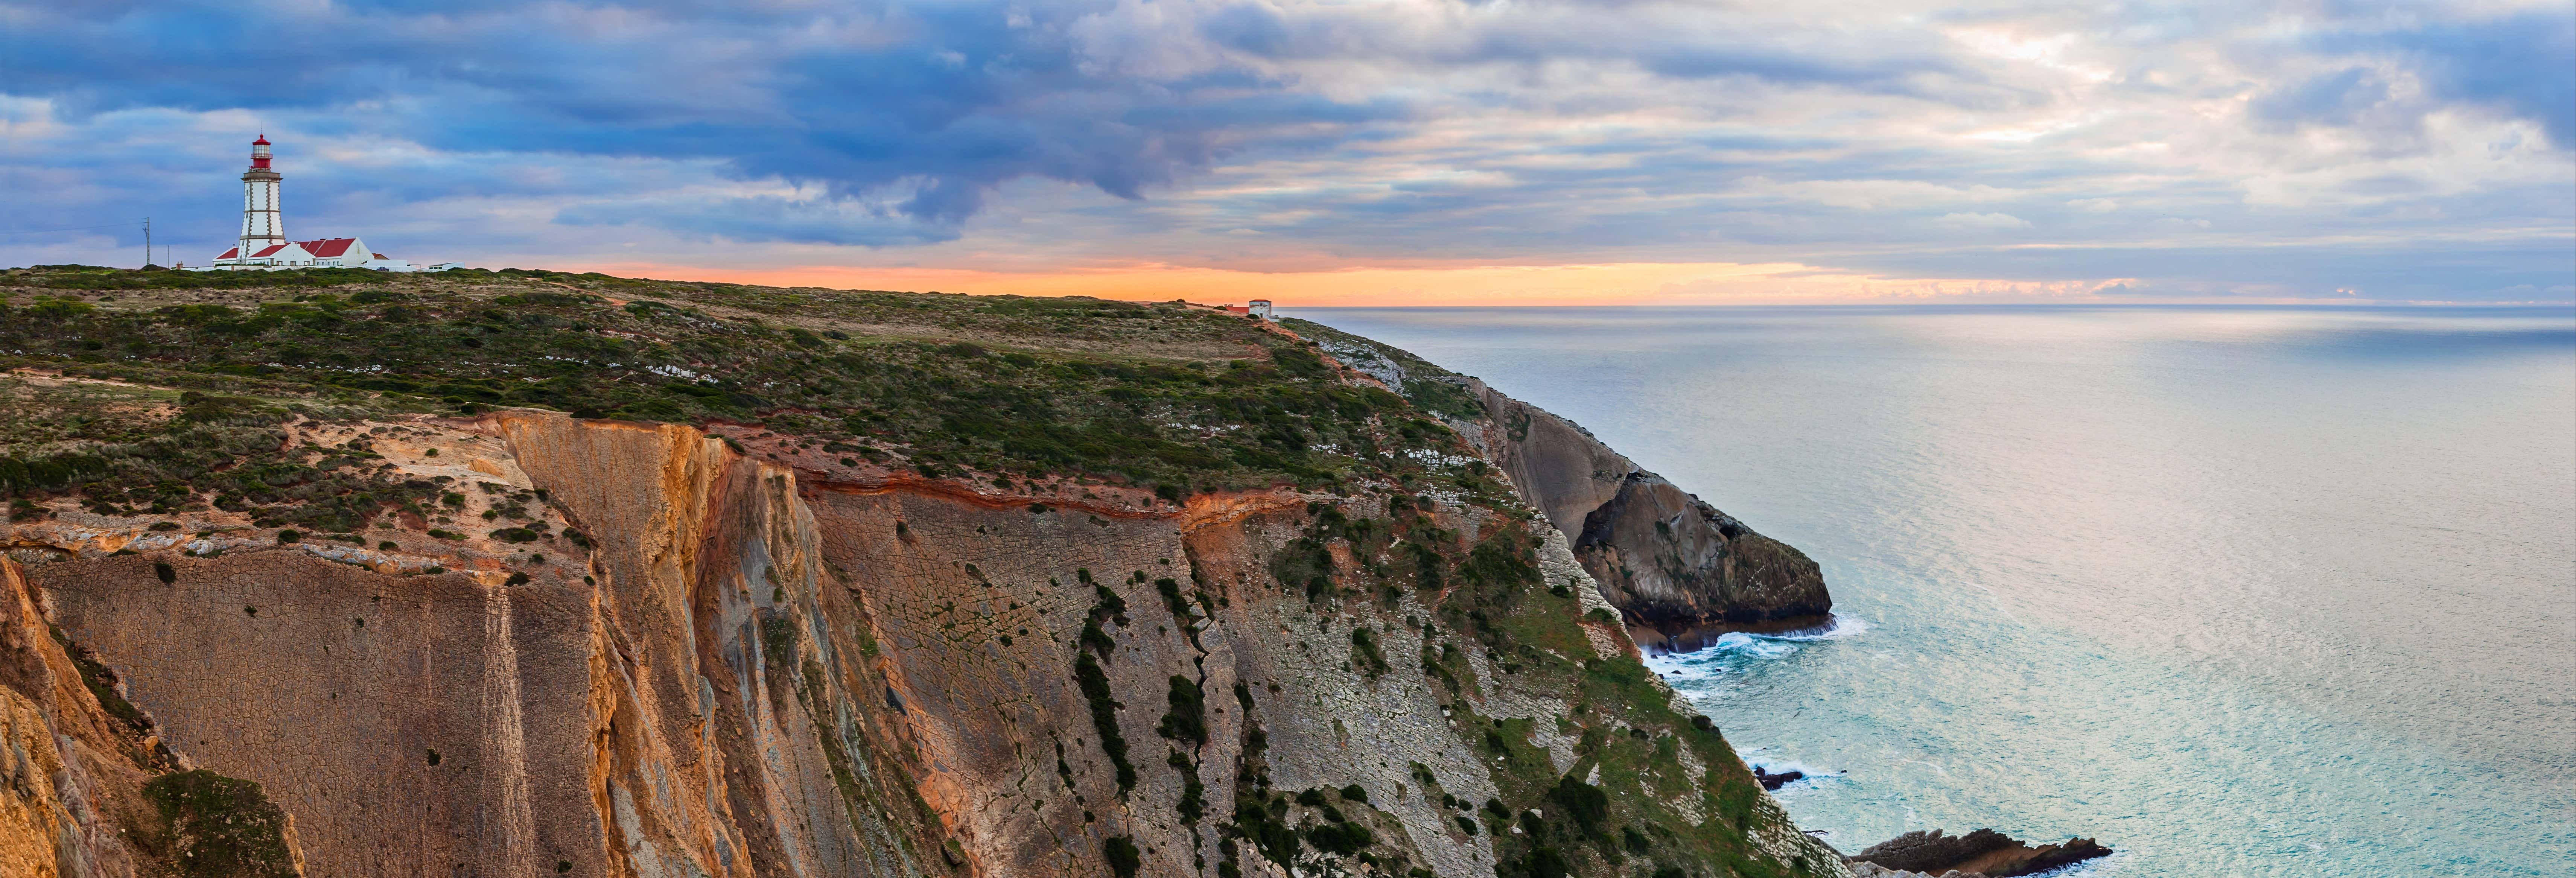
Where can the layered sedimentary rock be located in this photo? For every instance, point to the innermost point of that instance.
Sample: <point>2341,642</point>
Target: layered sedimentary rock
<point>1679,569</point>
<point>718,659</point>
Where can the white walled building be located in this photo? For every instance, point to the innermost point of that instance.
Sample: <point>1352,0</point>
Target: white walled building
<point>263,243</point>
<point>1258,309</point>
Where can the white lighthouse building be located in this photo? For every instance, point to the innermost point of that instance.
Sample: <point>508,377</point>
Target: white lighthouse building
<point>263,243</point>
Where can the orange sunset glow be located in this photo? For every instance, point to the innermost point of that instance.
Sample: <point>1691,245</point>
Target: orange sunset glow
<point>1635,283</point>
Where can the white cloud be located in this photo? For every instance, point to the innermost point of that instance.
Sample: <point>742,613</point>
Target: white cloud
<point>1988,221</point>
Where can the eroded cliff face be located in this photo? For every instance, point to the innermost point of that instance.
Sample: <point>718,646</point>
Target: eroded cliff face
<point>71,775</point>
<point>1680,570</point>
<point>720,659</point>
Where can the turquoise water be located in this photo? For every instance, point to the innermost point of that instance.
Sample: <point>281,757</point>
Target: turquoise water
<point>2238,591</point>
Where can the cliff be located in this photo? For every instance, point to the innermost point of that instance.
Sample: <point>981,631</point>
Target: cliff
<point>259,617</point>
<point>1679,570</point>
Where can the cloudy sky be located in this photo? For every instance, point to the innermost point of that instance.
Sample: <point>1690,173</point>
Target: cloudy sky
<point>1337,151</point>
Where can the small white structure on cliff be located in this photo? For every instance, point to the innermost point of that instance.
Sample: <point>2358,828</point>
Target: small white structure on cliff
<point>1258,309</point>
<point>263,243</point>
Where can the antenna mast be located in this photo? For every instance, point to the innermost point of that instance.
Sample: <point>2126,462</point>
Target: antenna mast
<point>147,242</point>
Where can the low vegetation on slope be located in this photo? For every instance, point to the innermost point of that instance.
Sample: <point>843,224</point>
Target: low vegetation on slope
<point>1168,396</point>
<point>1429,386</point>
<point>1651,791</point>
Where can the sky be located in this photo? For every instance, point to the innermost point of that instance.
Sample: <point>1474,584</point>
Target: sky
<point>1336,152</point>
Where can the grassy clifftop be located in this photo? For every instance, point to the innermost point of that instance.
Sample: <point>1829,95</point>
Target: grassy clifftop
<point>1172,397</point>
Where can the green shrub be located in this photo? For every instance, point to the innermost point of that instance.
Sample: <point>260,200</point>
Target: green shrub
<point>1124,858</point>
<point>220,827</point>
<point>1586,803</point>
<point>1187,720</point>
<point>1364,647</point>
<point>1340,838</point>
<point>1094,682</point>
<point>1547,862</point>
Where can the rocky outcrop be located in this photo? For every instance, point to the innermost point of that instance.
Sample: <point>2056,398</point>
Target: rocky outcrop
<point>1771,781</point>
<point>1679,570</point>
<point>1873,870</point>
<point>1983,852</point>
<point>714,660</point>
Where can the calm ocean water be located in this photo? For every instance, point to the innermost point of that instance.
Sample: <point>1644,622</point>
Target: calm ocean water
<point>2239,591</point>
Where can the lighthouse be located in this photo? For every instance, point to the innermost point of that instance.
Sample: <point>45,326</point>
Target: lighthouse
<point>262,227</point>
<point>263,243</point>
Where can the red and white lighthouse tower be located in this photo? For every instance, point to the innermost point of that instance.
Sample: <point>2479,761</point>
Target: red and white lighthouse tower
<point>263,244</point>
<point>262,227</point>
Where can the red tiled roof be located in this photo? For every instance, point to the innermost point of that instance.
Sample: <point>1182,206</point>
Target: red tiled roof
<point>268,251</point>
<point>378,255</point>
<point>326,248</point>
<point>228,254</point>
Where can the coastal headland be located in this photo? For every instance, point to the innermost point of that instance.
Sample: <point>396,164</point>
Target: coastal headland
<point>517,572</point>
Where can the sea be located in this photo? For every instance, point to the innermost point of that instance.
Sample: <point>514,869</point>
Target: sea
<point>2237,591</point>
